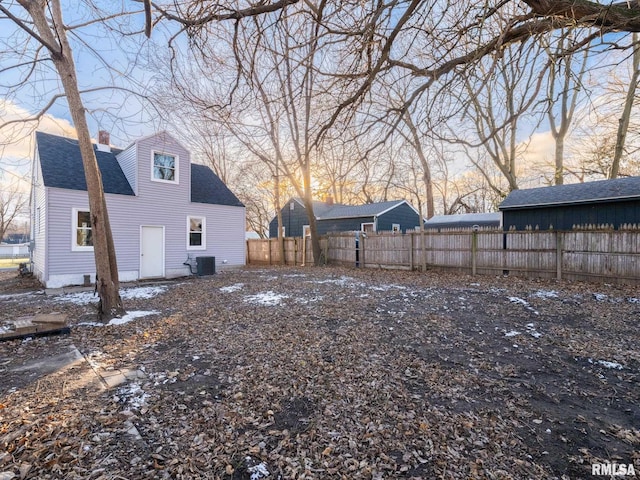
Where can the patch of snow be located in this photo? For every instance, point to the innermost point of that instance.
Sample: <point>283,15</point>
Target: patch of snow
<point>269,298</point>
<point>606,364</point>
<point>519,300</point>
<point>79,298</point>
<point>343,281</point>
<point>84,298</point>
<point>633,300</point>
<point>134,395</point>
<point>122,320</point>
<point>18,296</point>
<point>258,471</point>
<point>386,288</point>
<point>524,303</point>
<point>531,330</point>
<point>232,288</point>
<point>131,316</point>
<point>304,301</point>
<point>545,294</point>
<point>600,297</point>
<point>142,292</point>
<point>512,333</point>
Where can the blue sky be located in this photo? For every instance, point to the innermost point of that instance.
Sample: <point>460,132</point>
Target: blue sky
<point>104,58</point>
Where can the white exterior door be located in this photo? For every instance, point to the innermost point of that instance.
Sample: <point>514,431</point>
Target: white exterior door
<point>151,251</point>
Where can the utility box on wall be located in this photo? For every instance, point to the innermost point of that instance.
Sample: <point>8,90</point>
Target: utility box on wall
<point>206,265</point>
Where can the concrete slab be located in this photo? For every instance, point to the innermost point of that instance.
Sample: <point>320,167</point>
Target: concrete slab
<point>18,372</point>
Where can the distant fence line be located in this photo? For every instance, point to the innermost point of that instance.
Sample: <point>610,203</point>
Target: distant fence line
<point>612,256</point>
<point>20,250</point>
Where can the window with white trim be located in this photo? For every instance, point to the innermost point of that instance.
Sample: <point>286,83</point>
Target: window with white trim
<point>164,167</point>
<point>196,233</point>
<point>368,227</point>
<point>395,228</point>
<point>82,238</point>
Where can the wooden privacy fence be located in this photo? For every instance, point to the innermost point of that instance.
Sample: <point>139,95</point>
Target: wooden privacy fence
<point>575,255</point>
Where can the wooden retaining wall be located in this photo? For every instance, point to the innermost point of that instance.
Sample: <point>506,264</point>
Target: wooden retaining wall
<point>612,256</point>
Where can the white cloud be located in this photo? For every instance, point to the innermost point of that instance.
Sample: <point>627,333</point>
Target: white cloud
<point>16,139</point>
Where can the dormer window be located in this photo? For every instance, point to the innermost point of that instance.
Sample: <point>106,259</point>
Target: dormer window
<point>164,168</point>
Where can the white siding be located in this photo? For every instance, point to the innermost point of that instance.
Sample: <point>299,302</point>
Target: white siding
<point>156,203</point>
<point>39,225</point>
<point>127,161</point>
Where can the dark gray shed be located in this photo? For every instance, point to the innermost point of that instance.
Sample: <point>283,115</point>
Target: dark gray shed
<point>610,203</point>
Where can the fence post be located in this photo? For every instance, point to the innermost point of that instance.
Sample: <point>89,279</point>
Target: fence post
<point>474,251</point>
<point>269,245</point>
<point>248,252</point>
<point>411,251</point>
<point>362,237</point>
<point>559,246</point>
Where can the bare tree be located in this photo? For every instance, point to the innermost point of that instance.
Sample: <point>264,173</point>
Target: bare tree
<point>563,91</point>
<point>623,126</point>
<point>499,94</point>
<point>13,203</point>
<point>45,26</point>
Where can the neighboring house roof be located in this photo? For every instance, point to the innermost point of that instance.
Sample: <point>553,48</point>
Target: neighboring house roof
<point>464,220</point>
<point>62,165</point>
<point>206,187</point>
<point>366,210</point>
<point>62,168</point>
<point>319,208</point>
<point>323,211</point>
<point>589,192</point>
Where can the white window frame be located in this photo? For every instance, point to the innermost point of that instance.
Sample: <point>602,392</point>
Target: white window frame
<point>176,175</point>
<point>395,228</point>
<point>306,231</point>
<point>203,220</point>
<point>373,224</point>
<point>74,231</point>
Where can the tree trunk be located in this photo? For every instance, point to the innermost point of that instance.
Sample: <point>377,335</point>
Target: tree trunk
<point>107,281</point>
<point>623,125</point>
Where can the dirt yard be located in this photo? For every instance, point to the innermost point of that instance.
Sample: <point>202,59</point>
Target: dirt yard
<point>325,373</point>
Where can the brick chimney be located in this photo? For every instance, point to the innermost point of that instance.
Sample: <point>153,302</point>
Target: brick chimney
<point>328,200</point>
<point>104,144</point>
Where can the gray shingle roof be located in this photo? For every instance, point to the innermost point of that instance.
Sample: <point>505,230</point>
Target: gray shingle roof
<point>62,165</point>
<point>206,187</point>
<point>62,168</point>
<point>588,192</point>
<point>464,220</point>
<point>349,211</point>
<point>322,211</point>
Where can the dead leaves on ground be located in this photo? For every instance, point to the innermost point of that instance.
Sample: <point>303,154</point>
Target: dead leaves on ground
<point>338,373</point>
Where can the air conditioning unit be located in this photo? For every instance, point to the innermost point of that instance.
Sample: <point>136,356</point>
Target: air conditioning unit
<point>206,265</point>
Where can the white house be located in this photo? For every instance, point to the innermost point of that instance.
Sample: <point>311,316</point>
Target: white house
<point>164,211</point>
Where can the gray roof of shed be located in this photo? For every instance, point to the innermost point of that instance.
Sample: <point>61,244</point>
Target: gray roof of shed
<point>589,192</point>
<point>62,167</point>
<point>464,219</point>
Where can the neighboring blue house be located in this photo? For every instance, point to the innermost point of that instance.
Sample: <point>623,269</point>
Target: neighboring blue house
<point>614,203</point>
<point>393,216</point>
<point>163,211</point>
